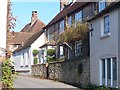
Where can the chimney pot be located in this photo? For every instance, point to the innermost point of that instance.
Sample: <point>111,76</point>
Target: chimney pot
<point>34,16</point>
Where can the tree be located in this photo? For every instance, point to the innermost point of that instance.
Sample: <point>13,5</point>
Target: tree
<point>10,25</point>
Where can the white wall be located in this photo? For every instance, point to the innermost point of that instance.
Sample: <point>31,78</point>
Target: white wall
<point>39,42</point>
<point>3,21</point>
<point>102,47</point>
<point>18,56</point>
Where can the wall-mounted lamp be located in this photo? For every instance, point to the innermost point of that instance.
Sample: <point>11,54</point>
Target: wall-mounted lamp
<point>91,29</point>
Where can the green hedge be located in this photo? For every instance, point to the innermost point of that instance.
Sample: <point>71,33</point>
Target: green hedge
<point>35,60</point>
<point>51,52</point>
<point>35,52</point>
<point>7,77</point>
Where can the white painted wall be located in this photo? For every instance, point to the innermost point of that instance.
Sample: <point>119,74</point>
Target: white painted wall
<point>17,56</point>
<point>39,42</point>
<point>3,21</point>
<point>102,47</point>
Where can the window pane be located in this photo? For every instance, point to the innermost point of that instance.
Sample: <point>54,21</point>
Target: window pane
<point>106,24</point>
<point>78,16</point>
<point>61,26</point>
<point>102,5</point>
<point>70,21</point>
<point>114,69</point>
<point>109,71</point>
<point>103,71</point>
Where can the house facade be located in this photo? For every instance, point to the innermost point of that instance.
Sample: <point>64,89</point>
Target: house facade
<point>104,45</point>
<point>76,11</point>
<point>24,42</point>
<point>23,56</point>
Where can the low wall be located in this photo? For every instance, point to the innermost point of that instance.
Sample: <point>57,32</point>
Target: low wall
<point>75,72</point>
<point>39,70</point>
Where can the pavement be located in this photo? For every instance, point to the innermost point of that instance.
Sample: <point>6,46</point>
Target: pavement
<point>30,82</point>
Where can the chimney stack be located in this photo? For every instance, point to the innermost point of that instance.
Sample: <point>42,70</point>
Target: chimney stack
<point>63,3</point>
<point>34,16</point>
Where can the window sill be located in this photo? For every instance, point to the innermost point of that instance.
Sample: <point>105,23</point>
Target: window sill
<point>105,35</point>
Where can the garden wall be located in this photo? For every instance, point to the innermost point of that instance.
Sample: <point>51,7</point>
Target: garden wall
<point>75,72</point>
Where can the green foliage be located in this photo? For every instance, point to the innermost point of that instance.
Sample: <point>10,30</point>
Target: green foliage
<point>7,77</point>
<point>72,34</point>
<point>94,87</point>
<point>103,88</point>
<point>50,59</point>
<point>50,55</point>
<point>35,52</point>
<point>35,60</point>
<point>51,52</point>
<point>91,87</point>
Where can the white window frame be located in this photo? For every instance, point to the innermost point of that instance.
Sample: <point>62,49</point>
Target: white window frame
<point>102,5</point>
<point>76,48</point>
<point>111,77</point>
<point>103,33</point>
<point>78,16</point>
<point>108,22</point>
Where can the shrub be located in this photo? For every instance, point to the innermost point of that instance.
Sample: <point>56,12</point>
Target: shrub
<point>103,88</point>
<point>35,52</point>
<point>7,77</point>
<point>35,60</point>
<point>51,52</point>
<point>91,87</point>
<point>50,59</point>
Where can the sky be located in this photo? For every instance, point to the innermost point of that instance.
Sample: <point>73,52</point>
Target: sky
<point>23,12</point>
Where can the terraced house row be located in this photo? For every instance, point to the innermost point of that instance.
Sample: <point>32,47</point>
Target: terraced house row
<point>101,44</point>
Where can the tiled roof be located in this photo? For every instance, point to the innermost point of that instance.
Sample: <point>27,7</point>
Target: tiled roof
<point>30,40</point>
<point>19,37</point>
<point>69,9</point>
<point>37,26</point>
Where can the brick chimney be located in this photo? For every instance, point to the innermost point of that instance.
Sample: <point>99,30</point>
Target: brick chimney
<point>34,16</point>
<point>63,3</point>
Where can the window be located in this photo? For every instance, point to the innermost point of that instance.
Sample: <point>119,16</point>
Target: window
<point>28,54</point>
<point>108,72</point>
<point>102,5</point>
<point>23,55</point>
<point>78,48</point>
<point>51,33</point>
<point>78,16</point>
<point>106,24</point>
<point>61,50</point>
<point>70,20</point>
<point>61,27</point>
<point>22,58</point>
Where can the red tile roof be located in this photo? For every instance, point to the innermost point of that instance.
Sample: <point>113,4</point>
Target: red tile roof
<point>19,37</point>
<point>30,40</point>
<point>37,26</point>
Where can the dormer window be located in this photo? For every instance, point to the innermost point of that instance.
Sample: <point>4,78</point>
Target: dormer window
<point>102,5</point>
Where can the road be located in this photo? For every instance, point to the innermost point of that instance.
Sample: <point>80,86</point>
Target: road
<point>29,82</point>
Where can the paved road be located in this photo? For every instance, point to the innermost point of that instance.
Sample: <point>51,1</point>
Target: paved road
<point>28,82</point>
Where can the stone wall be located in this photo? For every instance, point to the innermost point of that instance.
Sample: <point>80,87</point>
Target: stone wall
<point>39,70</point>
<point>75,72</point>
